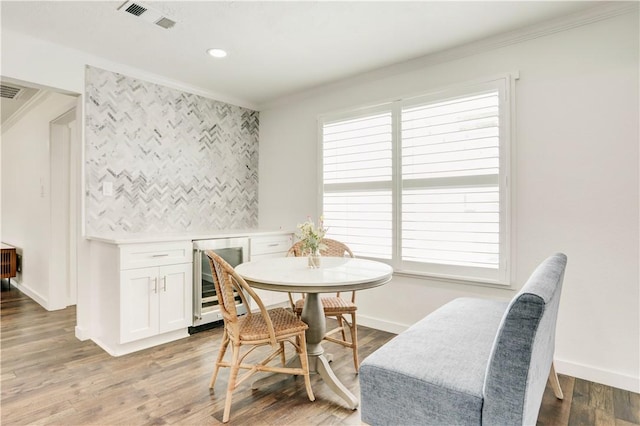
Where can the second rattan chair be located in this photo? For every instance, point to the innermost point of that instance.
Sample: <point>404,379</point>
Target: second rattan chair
<point>335,306</point>
<point>265,327</point>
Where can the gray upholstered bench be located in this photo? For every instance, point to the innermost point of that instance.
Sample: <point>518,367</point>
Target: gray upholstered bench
<point>473,361</point>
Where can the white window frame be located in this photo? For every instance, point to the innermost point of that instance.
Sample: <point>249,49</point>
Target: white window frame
<point>505,85</point>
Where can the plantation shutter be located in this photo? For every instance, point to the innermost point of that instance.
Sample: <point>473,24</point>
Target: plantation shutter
<point>357,175</point>
<point>450,197</point>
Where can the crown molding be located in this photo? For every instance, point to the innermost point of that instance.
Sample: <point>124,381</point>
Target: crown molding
<point>150,77</point>
<point>549,27</point>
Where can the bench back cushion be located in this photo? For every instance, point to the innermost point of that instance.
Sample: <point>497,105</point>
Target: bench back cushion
<point>523,350</point>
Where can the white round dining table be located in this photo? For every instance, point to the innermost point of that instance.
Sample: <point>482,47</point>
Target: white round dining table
<point>292,274</point>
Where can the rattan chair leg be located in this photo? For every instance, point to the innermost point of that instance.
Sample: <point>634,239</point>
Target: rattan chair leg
<point>233,375</point>
<point>221,352</point>
<point>304,363</point>
<point>354,341</point>
<point>283,357</point>
<point>341,322</point>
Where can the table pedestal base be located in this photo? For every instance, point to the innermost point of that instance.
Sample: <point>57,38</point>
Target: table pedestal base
<point>313,315</point>
<point>324,370</point>
<point>318,364</point>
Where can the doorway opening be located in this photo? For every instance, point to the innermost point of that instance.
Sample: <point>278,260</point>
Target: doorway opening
<point>63,147</point>
<point>41,182</point>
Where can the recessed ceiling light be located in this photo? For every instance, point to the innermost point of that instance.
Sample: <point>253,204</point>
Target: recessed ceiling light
<point>217,53</point>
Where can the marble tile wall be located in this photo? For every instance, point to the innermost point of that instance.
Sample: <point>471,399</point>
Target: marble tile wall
<point>177,161</point>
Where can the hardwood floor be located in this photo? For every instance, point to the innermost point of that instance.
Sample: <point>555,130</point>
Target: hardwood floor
<point>50,377</point>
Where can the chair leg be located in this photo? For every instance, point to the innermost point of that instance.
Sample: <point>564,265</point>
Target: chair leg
<point>221,352</point>
<point>283,358</point>
<point>233,375</point>
<point>555,383</point>
<point>354,341</point>
<point>304,363</point>
<point>341,322</point>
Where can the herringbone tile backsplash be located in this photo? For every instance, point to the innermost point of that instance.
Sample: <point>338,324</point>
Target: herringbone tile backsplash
<point>177,161</point>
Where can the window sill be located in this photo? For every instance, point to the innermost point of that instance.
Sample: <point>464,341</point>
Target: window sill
<point>451,279</point>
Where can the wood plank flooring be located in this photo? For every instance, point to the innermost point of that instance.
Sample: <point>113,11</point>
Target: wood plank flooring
<point>49,377</point>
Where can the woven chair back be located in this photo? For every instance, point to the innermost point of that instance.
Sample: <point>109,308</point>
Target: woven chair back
<point>226,287</point>
<point>230,285</point>
<point>333,248</point>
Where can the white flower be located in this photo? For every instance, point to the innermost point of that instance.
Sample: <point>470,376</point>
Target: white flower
<point>312,235</point>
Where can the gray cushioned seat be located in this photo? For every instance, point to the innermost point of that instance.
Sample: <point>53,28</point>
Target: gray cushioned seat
<point>455,344</point>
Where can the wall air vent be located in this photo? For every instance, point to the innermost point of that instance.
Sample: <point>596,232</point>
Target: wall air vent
<point>147,14</point>
<point>9,92</point>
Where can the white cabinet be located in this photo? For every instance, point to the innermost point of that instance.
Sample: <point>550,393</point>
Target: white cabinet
<point>143,294</point>
<point>156,288</point>
<point>154,300</point>
<point>262,247</point>
<point>141,289</point>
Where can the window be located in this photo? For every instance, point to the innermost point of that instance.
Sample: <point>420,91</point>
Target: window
<point>357,178</point>
<point>422,182</point>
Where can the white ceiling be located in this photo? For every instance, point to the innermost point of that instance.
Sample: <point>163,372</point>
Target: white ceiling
<point>275,48</point>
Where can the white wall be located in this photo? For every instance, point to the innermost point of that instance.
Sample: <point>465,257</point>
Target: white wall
<point>576,184</point>
<point>26,193</point>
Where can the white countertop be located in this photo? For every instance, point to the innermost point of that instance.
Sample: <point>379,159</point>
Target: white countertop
<point>139,238</point>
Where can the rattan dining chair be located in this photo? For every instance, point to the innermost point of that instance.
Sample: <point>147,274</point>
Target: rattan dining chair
<point>264,327</point>
<point>334,306</point>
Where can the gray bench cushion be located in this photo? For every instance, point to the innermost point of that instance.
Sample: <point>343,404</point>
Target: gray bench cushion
<point>439,363</point>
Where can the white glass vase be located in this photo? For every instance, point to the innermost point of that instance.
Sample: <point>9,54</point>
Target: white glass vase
<point>314,259</point>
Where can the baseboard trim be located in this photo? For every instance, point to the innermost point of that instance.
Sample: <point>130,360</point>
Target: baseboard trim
<point>119,349</point>
<point>378,324</point>
<point>598,375</point>
<point>82,333</point>
<point>32,294</point>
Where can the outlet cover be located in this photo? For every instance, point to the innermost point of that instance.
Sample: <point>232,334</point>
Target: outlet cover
<point>107,188</point>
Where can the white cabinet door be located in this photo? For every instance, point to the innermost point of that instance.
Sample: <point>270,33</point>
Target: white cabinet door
<point>138,304</point>
<point>155,300</point>
<point>175,296</point>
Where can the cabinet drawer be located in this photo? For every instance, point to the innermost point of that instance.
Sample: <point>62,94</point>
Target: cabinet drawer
<point>155,254</point>
<point>271,244</point>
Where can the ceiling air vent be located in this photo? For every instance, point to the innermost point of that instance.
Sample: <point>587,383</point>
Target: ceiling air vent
<point>135,9</point>
<point>165,22</point>
<point>147,14</point>
<point>9,92</point>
